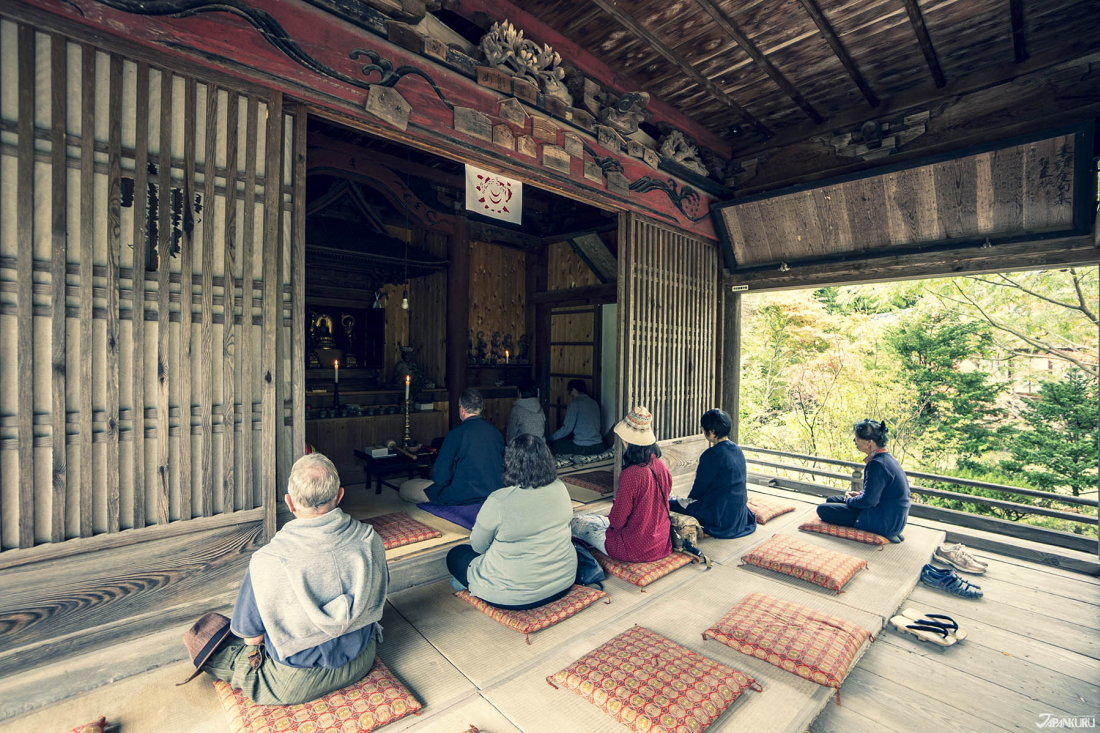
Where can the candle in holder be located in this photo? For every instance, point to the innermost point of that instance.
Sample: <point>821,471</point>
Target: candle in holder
<point>407,381</point>
<point>336,373</point>
<point>505,358</point>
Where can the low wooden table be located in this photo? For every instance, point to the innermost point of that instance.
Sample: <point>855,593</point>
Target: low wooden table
<point>380,469</point>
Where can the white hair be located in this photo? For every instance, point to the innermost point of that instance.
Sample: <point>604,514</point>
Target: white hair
<point>313,481</point>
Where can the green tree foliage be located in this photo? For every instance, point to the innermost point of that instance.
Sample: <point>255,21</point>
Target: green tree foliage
<point>1059,448</point>
<point>959,405</point>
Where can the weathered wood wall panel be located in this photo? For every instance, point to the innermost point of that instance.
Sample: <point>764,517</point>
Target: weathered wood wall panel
<point>566,270</point>
<point>130,190</point>
<point>498,293</point>
<point>668,304</point>
<point>573,355</point>
<point>1013,191</point>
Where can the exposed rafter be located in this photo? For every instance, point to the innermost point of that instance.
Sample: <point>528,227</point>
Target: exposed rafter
<point>925,41</point>
<point>814,11</point>
<point>631,24</point>
<point>1019,47</point>
<point>731,29</point>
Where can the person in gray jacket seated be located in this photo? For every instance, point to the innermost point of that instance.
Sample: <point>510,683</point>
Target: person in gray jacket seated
<point>521,551</point>
<point>527,417</point>
<point>312,597</point>
<point>579,434</point>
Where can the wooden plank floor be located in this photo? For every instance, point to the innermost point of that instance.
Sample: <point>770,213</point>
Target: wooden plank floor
<point>1033,651</point>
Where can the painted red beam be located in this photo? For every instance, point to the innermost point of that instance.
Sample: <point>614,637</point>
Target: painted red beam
<point>592,67</point>
<point>328,63</point>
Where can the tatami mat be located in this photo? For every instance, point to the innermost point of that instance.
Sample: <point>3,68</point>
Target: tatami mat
<point>476,712</point>
<point>363,504</point>
<point>419,665</point>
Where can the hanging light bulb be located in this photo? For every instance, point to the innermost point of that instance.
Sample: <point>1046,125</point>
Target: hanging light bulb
<point>405,300</point>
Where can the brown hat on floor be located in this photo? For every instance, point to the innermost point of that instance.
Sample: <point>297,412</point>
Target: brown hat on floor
<point>203,639</point>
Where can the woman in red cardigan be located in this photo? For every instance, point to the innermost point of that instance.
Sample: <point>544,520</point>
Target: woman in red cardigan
<point>637,529</point>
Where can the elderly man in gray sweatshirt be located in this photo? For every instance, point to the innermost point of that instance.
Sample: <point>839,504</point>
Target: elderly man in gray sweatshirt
<point>307,616</point>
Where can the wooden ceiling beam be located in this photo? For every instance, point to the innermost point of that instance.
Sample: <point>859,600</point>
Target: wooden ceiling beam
<point>634,26</point>
<point>1016,10</point>
<point>818,17</point>
<point>731,29</point>
<point>916,19</point>
<point>922,96</point>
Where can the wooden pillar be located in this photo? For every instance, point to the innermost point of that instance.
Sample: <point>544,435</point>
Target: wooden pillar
<point>731,357</point>
<point>542,357</point>
<point>458,314</point>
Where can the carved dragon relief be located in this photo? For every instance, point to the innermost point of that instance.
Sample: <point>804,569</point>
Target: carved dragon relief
<point>278,37</point>
<point>686,199</point>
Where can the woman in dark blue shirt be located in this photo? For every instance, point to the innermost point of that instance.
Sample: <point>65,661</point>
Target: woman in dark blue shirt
<point>882,506</point>
<point>718,498</point>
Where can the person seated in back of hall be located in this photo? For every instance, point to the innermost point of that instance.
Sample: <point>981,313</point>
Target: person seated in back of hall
<point>527,417</point>
<point>313,597</point>
<point>520,554</point>
<point>470,461</point>
<point>637,529</point>
<point>718,498</point>
<point>882,506</point>
<point>580,433</point>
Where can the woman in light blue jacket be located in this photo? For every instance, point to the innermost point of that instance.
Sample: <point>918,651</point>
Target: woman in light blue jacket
<point>521,551</point>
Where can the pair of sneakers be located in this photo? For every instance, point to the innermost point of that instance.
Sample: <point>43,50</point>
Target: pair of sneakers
<point>949,581</point>
<point>957,556</point>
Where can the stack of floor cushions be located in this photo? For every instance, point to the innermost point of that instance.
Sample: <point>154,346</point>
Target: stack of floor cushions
<point>766,510</point>
<point>531,620</point>
<point>377,699</point>
<point>844,533</point>
<point>399,529</point>
<point>817,565</point>
<point>648,683</point>
<point>642,574</point>
<point>602,482</point>
<point>811,644</point>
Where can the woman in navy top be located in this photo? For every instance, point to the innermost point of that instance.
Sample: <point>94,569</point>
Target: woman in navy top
<point>883,505</point>
<point>718,498</point>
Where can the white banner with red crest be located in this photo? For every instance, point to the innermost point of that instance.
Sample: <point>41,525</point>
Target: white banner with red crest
<point>491,194</point>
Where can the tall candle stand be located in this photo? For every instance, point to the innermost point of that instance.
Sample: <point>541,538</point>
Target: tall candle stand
<point>408,439</point>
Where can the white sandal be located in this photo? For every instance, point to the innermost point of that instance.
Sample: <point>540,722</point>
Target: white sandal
<point>938,620</point>
<point>934,634</point>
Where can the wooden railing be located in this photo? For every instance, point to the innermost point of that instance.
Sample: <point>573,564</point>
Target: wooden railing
<point>812,476</point>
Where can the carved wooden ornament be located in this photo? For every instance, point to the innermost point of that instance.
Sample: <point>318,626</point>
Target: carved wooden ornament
<point>387,104</point>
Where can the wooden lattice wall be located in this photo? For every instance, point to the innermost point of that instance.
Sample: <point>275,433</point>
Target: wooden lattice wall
<point>111,422</point>
<point>668,337</point>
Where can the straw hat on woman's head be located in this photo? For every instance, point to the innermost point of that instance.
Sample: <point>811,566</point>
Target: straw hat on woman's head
<point>637,427</point>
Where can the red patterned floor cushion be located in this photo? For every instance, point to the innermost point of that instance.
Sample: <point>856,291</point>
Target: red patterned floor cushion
<point>845,533</point>
<point>817,565</point>
<point>96,726</point>
<point>811,644</point>
<point>649,683</point>
<point>767,509</point>
<point>528,622</point>
<point>377,699</point>
<point>642,574</point>
<point>399,529</point>
<point>602,482</point>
